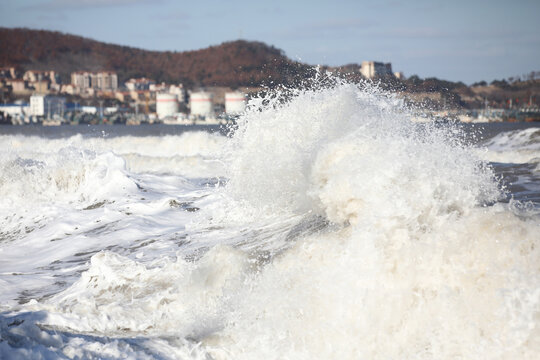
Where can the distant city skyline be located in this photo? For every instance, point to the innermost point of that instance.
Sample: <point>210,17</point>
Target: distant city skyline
<point>459,40</point>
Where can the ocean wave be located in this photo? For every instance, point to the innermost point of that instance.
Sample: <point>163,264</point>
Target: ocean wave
<point>517,146</point>
<point>70,174</point>
<point>347,153</point>
<point>343,231</point>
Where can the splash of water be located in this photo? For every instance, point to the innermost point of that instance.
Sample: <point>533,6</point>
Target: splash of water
<point>415,264</point>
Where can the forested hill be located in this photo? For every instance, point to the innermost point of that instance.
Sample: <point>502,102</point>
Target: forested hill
<point>237,63</point>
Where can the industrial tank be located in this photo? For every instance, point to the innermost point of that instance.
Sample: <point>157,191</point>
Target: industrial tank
<point>166,105</point>
<point>235,103</point>
<point>201,104</point>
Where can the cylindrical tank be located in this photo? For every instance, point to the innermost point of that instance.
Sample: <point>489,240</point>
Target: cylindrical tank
<point>166,105</point>
<point>235,103</point>
<point>201,103</point>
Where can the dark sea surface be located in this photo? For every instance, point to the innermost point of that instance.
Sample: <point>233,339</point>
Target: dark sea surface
<point>106,130</point>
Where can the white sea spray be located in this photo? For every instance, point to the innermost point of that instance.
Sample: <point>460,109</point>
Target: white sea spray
<point>344,231</point>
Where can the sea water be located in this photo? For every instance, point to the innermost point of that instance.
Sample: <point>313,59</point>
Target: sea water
<point>326,225</point>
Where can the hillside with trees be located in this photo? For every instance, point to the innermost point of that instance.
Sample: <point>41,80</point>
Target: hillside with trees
<point>237,63</point>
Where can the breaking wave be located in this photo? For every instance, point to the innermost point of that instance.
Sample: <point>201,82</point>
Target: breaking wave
<point>383,239</point>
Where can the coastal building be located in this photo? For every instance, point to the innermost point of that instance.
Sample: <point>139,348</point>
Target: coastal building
<point>55,87</point>
<point>47,106</point>
<point>69,89</point>
<point>139,84</point>
<point>14,110</point>
<point>90,92</point>
<point>82,79</point>
<point>15,114</point>
<point>8,72</point>
<point>17,85</point>
<point>140,95</point>
<point>41,86</point>
<point>103,80</point>
<point>106,81</point>
<point>33,75</point>
<point>123,96</point>
<point>235,103</point>
<point>372,69</point>
<point>89,109</point>
<point>159,87</point>
<point>41,75</point>
<point>179,91</point>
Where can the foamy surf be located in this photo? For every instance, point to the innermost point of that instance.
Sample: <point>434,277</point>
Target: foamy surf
<point>518,146</point>
<point>333,227</point>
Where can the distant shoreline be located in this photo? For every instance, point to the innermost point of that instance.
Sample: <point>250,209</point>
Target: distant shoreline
<point>484,130</point>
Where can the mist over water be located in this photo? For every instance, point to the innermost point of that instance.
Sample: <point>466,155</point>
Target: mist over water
<point>327,226</point>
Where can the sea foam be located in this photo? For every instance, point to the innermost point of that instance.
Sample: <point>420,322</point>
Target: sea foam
<point>383,239</point>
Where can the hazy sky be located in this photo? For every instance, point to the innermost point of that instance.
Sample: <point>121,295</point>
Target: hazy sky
<point>465,40</point>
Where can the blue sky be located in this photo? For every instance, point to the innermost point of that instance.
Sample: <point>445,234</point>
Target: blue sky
<point>455,40</point>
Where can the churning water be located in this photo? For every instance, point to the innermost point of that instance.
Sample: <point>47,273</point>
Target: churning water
<point>327,226</point>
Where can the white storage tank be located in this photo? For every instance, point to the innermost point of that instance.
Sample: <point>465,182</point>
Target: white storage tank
<point>235,103</point>
<point>166,105</point>
<point>201,104</point>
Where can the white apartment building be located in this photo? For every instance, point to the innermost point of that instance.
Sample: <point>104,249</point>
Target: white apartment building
<point>103,80</point>
<point>82,79</point>
<point>107,81</point>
